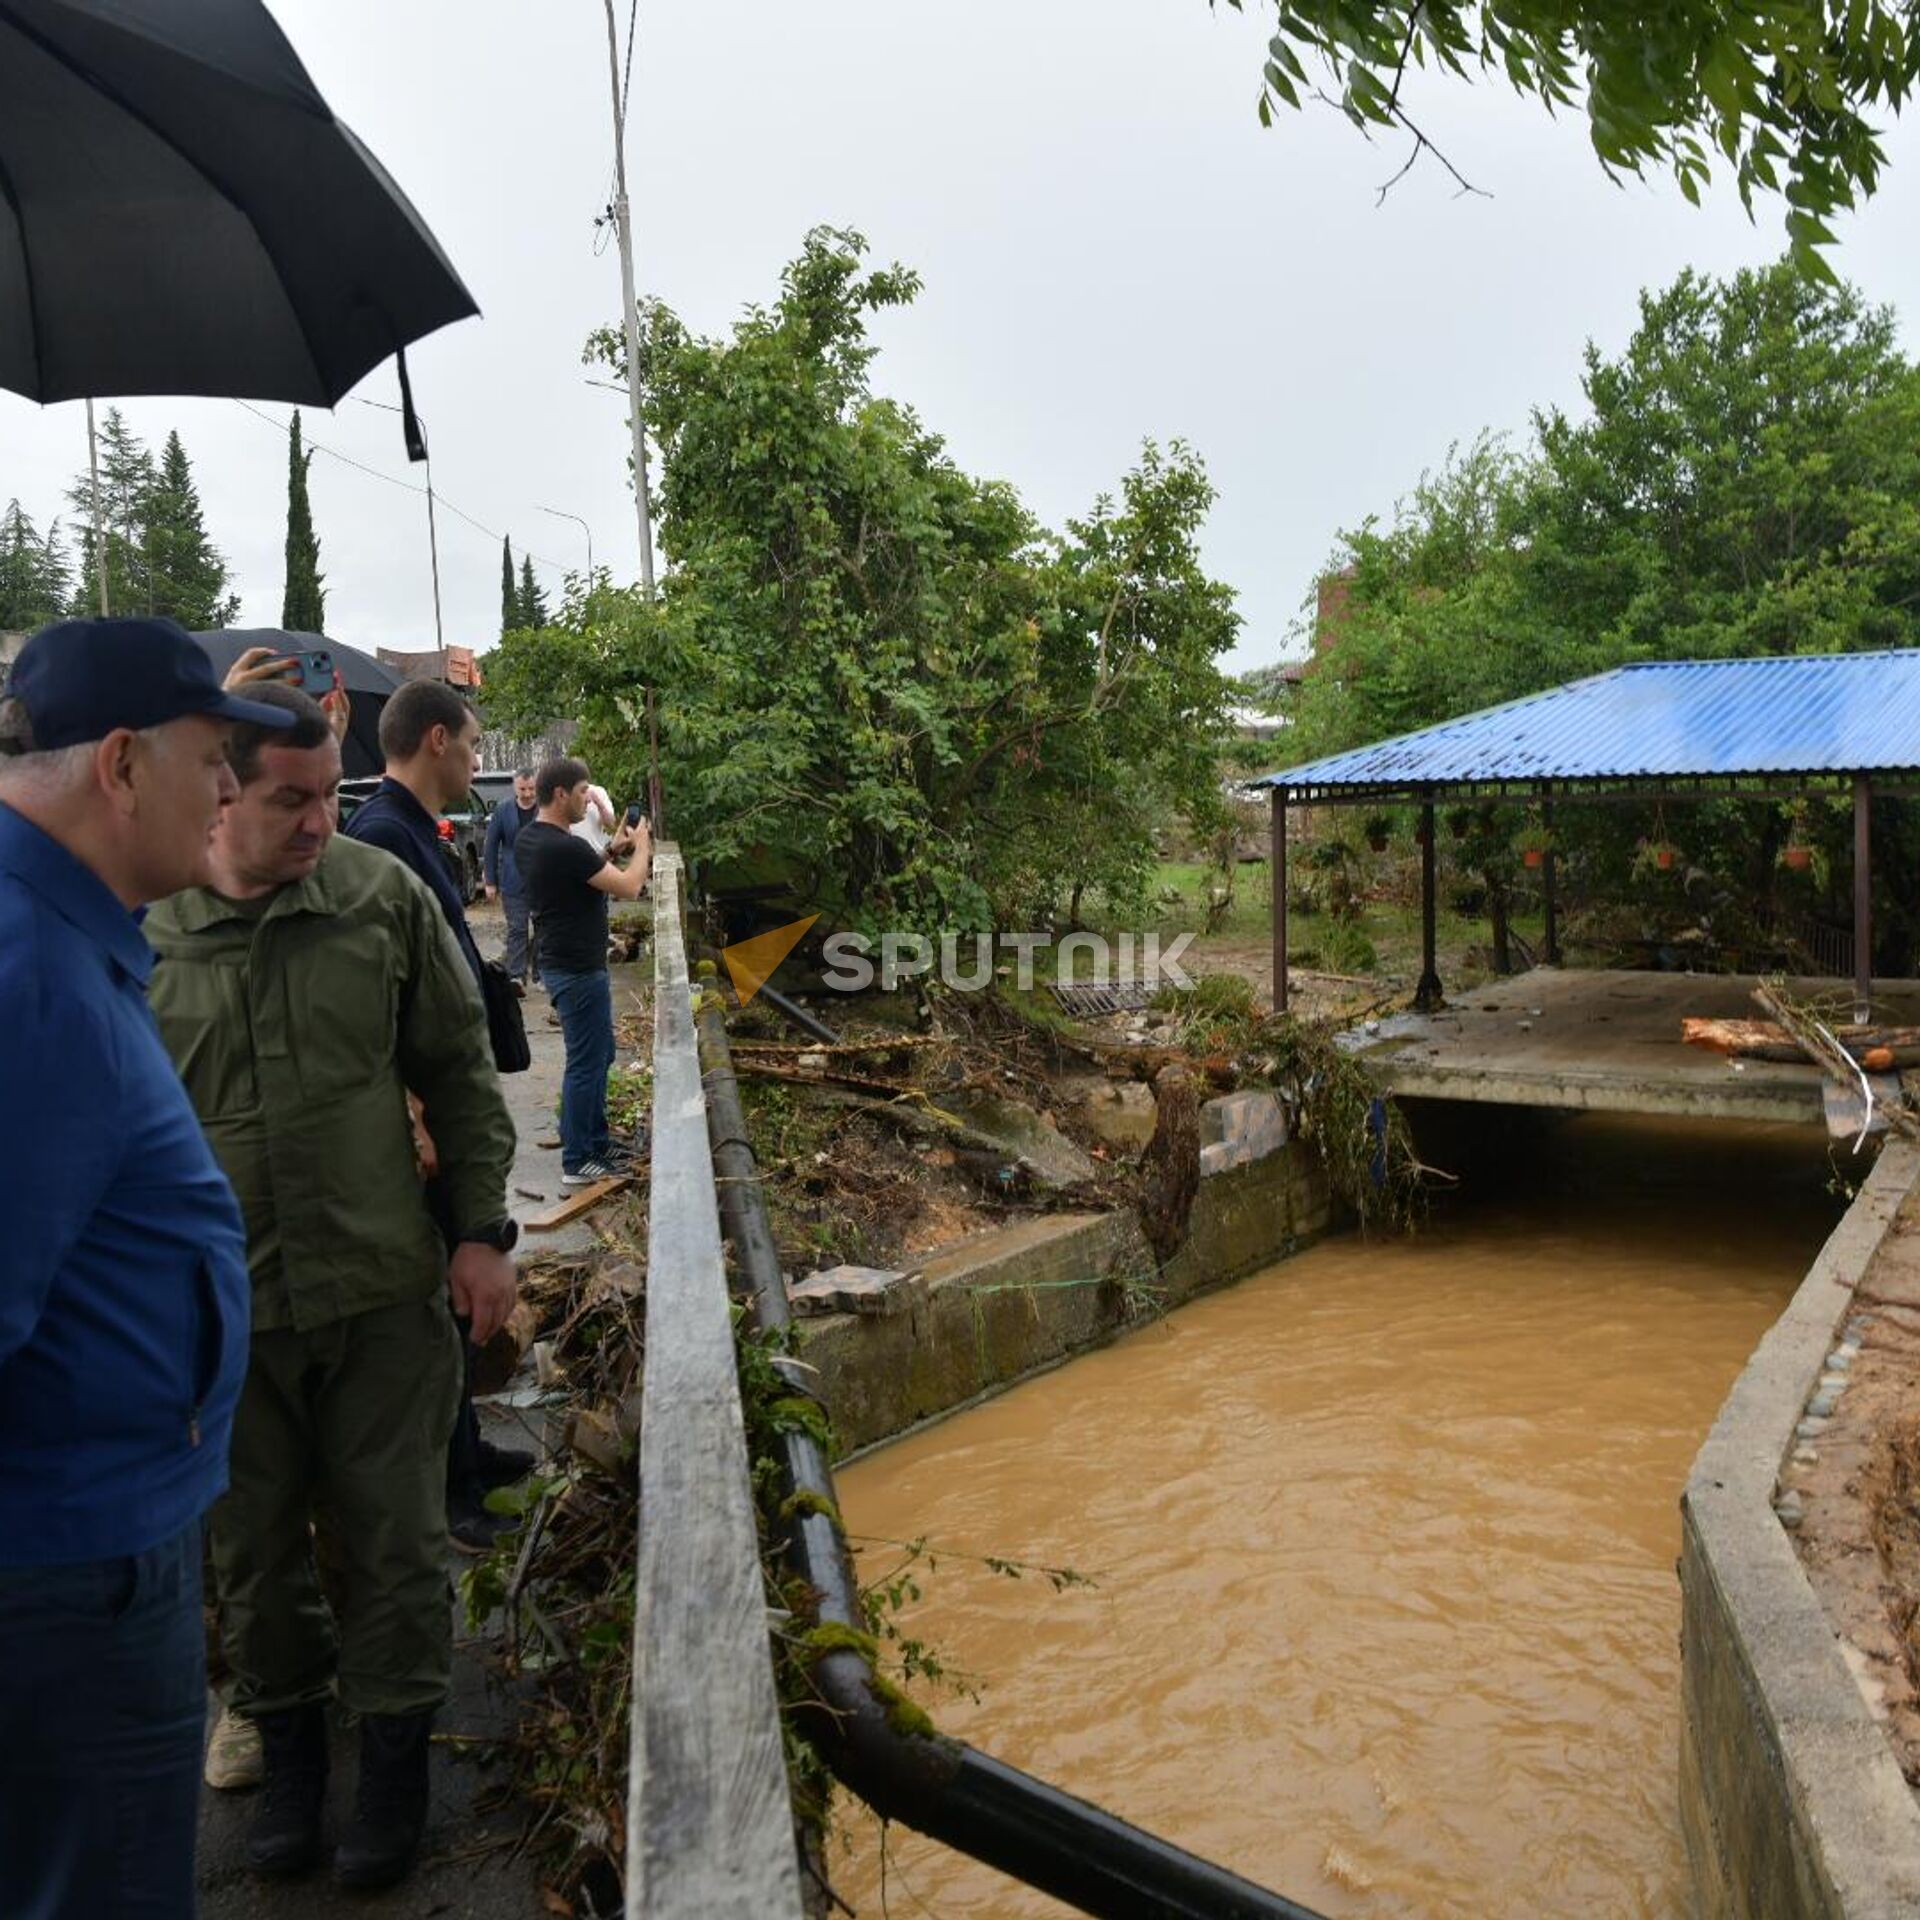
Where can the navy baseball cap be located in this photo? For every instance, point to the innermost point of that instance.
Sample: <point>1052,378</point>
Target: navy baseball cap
<point>80,679</point>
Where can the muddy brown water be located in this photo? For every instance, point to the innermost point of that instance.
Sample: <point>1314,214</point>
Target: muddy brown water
<point>1386,1615</point>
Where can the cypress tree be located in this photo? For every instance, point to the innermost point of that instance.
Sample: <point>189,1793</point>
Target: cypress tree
<point>533,603</point>
<point>509,594</point>
<point>303,607</point>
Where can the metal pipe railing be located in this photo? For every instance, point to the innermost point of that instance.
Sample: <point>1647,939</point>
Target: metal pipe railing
<point>937,1785</point>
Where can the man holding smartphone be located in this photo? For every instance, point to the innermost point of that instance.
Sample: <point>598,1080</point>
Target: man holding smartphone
<point>569,883</point>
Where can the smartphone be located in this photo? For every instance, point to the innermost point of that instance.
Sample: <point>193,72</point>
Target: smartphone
<point>311,672</point>
<point>634,815</point>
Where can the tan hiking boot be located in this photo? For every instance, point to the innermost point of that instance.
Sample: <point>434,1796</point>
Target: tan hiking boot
<point>234,1759</point>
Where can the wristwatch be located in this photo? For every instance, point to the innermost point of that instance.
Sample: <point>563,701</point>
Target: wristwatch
<point>501,1235</point>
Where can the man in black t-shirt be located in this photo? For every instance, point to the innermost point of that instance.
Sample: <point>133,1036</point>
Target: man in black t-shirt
<point>568,883</point>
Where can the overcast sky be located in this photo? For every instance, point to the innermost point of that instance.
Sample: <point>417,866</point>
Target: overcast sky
<point>1112,246</point>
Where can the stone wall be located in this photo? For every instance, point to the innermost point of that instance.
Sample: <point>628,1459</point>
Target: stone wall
<point>1791,1802</point>
<point>987,1311</point>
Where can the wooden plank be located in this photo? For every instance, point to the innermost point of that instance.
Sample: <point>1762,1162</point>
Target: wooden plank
<point>709,1821</point>
<point>581,1200</point>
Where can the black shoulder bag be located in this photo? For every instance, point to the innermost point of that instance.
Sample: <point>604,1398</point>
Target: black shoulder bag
<point>506,1025</point>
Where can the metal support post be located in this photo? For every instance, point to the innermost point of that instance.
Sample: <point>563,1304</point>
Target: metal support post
<point>1862,902</point>
<point>1427,996</point>
<point>1551,951</point>
<point>1279,868</point>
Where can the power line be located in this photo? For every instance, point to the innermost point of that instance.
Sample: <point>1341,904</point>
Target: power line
<point>285,429</point>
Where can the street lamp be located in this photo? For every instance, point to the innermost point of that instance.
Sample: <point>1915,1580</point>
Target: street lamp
<point>433,533</point>
<point>560,514</point>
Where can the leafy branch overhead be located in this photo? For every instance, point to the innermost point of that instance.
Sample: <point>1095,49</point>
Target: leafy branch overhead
<point>1782,91</point>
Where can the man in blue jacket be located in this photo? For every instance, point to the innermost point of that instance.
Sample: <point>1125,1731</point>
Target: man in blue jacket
<point>501,873</point>
<point>123,1275</point>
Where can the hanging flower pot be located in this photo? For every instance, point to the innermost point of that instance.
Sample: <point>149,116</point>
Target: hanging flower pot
<point>1533,845</point>
<point>1458,821</point>
<point>1656,856</point>
<point>1377,828</point>
<point>1799,858</point>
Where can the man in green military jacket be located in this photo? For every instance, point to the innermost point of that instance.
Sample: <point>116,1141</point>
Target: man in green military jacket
<point>301,996</point>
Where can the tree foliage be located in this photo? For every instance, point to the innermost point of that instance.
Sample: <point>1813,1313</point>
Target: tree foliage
<point>189,575</point>
<point>303,603</point>
<point>1781,92</point>
<point>530,604</point>
<point>876,672</point>
<point>33,573</point>
<point>159,557</point>
<point>509,592</point>
<point>1745,480</point>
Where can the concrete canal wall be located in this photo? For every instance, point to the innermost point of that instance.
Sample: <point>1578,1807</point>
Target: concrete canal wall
<point>992,1309</point>
<point>1791,1801</point>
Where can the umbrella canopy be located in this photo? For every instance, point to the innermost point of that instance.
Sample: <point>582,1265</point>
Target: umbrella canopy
<point>180,212</point>
<point>363,676</point>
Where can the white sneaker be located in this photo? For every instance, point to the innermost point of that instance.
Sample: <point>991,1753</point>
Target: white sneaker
<point>585,1176</point>
<point>234,1759</point>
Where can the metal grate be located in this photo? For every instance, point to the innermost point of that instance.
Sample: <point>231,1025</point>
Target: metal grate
<point>1123,996</point>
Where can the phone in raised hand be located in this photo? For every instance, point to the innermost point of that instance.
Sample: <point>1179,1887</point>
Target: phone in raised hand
<point>311,671</point>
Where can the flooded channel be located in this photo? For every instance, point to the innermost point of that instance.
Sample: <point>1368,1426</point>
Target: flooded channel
<point>1384,1542</point>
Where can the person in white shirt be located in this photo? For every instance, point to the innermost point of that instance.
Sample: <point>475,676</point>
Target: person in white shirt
<point>598,826</point>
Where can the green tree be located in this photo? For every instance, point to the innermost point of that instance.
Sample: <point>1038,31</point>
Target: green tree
<point>876,673</point>
<point>127,480</point>
<point>509,592</point>
<point>187,577</point>
<point>1745,480</point>
<point>303,603</point>
<point>33,573</point>
<point>530,603</point>
<point>1784,92</point>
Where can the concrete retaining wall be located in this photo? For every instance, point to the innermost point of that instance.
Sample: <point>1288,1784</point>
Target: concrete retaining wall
<point>1791,1801</point>
<point>998,1306</point>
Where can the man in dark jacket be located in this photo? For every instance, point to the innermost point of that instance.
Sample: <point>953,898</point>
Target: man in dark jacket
<point>429,738</point>
<point>501,872</point>
<point>123,1285</point>
<point>302,995</point>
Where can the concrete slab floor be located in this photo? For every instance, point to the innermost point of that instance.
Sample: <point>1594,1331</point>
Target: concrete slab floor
<point>1562,1037</point>
<point>468,1869</point>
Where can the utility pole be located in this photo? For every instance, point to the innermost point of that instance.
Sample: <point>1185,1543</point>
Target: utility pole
<point>433,546</point>
<point>99,532</point>
<point>630,314</point>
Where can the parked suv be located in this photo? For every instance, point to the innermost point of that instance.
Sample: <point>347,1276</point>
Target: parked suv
<point>463,834</point>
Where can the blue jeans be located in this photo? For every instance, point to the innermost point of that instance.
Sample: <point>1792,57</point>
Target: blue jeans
<point>518,953</point>
<point>584,1002</point>
<point>103,1709</point>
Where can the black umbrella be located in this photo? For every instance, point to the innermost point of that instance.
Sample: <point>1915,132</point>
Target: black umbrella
<point>360,673</point>
<point>180,212</point>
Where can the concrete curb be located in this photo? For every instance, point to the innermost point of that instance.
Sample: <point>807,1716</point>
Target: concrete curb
<point>1791,1801</point>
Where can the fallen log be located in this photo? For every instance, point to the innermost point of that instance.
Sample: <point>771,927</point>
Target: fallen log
<point>1817,1041</point>
<point>1768,1040</point>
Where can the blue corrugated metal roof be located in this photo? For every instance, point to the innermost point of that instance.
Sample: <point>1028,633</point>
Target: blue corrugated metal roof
<point>1803,714</point>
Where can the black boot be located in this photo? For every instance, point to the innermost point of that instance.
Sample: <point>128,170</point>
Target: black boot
<point>284,1837</point>
<point>390,1803</point>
